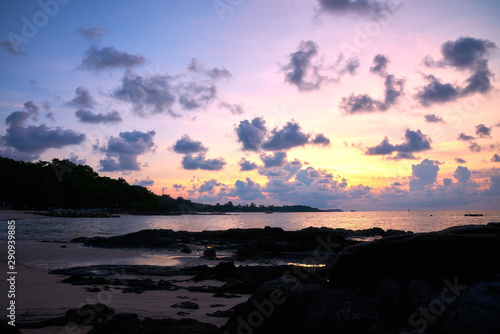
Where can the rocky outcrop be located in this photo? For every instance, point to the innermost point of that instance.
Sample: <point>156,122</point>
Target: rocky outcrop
<point>442,282</point>
<point>466,252</point>
<point>476,311</point>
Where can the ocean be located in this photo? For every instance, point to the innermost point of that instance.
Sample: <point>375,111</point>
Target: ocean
<point>65,229</point>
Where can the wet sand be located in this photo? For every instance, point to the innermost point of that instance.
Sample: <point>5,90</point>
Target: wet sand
<point>41,296</point>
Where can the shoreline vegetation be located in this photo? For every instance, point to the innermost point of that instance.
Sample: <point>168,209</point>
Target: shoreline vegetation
<point>62,188</point>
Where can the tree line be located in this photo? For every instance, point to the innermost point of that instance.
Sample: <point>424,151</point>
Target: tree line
<point>63,184</point>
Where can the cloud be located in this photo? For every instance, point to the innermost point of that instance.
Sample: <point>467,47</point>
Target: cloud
<point>48,108</point>
<point>194,95</point>
<point>423,174</point>
<point>147,182</point>
<point>372,8</point>
<point>247,190</point>
<point>34,140</point>
<point>460,160</point>
<point>463,54</point>
<point>98,59</point>
<point>235,109</point>
<point>494,189</point>
<point>431,118</point>
<point>351,66</point>
<point>83,99</point>
<point>213,73</point>
<point>148,95</point>
<point>201,162</point>
<point>12,48</point>
<point>254,136</point>
<point>277,159</point>
<point>415,141</point>
<point>465,137</point>
<point>162,93</point>
<point>246,165</point>
<point>251,134</point>
<point>435,92</point>
<point>379,65</point>
<point>87,116</point>
<point>483,131</point>
<point>495,158</point>
<point>474,147</point>
<point>122,151</point>
<point>364,103</point>
<point>301,72</point>
<point>285,138</point>
<point>462,174</point>
<point>14,154</point>
<point>359,191</point>
<point>393,90</point>
<point>479,81</point>
<point>186,145</point>
<point>76,159</point>
<point>447,182</point>
<point>321,139</point>
<point>178,187</point>
<point>208,186</point>
<point>92,34</point>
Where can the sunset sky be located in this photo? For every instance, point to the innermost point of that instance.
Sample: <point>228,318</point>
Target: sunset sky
<point>350,104</point>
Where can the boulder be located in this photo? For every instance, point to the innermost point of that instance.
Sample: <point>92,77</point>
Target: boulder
<point>210,253</point>
<point>186,305</point>
<point>477,310</point>
<point>466,252</point>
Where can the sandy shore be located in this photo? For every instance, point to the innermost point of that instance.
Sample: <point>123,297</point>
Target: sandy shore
<point>41,296</point>
<point>17,215</point>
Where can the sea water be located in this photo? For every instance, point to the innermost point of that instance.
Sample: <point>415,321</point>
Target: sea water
<point>65,229</point>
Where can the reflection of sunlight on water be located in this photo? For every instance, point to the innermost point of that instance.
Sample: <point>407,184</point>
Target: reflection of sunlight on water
<point>376,237</point>
<point>306,265</point>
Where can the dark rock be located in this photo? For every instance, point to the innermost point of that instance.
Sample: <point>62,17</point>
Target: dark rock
<point>89,314</point>
<point>227,270</point>
<point>391,292</point>
<point>120,323</point>
<point>64,246</point>
<point>209,253</point>
<point>419,293</point>
<point>477,310</point>
<point>432,257</point>
<point>221,314</point>
<point>216,305</point>
<point>186,250</point>
<point>183,314</point>
<point>248,250</point>
<point>186,305</point>
<point>283,306</point>
<point>8,329</point>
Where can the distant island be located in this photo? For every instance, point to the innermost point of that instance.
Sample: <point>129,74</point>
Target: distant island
<point>62,184</point>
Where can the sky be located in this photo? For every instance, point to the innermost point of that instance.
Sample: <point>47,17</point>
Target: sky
<point>350,104</point>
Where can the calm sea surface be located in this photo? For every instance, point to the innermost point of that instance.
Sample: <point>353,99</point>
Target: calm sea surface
<point>65,229</point>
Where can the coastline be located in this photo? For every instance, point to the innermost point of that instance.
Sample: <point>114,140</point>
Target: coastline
<point>323,267</point>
